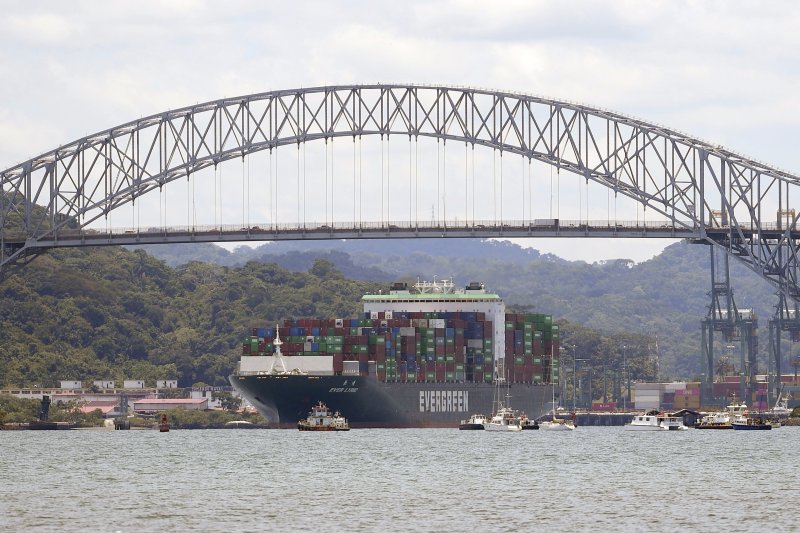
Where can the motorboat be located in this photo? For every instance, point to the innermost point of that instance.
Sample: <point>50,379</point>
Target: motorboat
<point>752,423</point>
<point>655,421</point>
<point>475,422</point>
<point>716,420</point>
<point>781,409</point>
<point>503,420</point>
<point>320,418</point>
<point>557,424</point>
<point>527,423</point>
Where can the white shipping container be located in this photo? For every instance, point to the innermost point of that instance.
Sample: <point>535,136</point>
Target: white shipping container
<point>646,397</point>
<point>71,384</point>
<point>675,386</point>
<point>133,384</point>
<point>649,386</point>
<point>350,368</point>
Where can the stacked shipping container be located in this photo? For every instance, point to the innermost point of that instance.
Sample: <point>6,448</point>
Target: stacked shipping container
<point>421,346</point>
<point>532,347</point>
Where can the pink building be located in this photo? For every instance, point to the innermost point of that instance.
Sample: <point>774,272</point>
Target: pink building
<point>151,405</point>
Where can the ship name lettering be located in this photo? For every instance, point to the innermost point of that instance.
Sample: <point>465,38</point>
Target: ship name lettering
<point>343,389</point>
<point>441,401</point>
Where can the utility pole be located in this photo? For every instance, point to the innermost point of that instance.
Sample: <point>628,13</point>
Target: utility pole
<point>627,378</point>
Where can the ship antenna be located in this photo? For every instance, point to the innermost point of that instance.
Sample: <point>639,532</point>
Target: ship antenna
<point>278,358</point>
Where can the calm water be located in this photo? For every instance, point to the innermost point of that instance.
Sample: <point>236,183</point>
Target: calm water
<point>596,478</point>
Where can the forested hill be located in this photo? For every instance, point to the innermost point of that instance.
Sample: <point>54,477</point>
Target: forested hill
<point>109,313</point>
<point>665,297</point>
<point>112,313</point>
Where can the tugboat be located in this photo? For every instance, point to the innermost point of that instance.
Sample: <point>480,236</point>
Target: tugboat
<point>527,423</point>
<point>475,422</point>
<point>320,418</point>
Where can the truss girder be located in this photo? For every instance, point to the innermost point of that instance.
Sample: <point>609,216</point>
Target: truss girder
<point>730,200</point>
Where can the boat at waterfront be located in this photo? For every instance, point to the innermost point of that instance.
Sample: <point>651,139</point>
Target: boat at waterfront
<point>320,418</point>
<point>527,423</point>
<point>555,423</point>
<point>505,419</point>
<point>781,408</point>
<point>717,420</point>
<point>656,421</point>
<point>474,422</point>
<point>426,357</point>
<point>750,423</point>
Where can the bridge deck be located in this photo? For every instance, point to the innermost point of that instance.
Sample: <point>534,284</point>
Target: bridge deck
<point>314,231</point>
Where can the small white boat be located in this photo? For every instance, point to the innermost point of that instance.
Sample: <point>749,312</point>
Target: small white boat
<point>475,422</point>
<point>557,424</point>
<point>781,409</point>
<point>653,421</point>
<point>503,420</point>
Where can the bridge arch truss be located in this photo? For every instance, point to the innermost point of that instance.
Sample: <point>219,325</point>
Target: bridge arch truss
<point>705,192</point>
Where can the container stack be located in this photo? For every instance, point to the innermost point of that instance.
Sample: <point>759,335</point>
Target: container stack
<point>648,396</point>
<point>688,398</point>
<point>418,346</point>
<point>532,347</point>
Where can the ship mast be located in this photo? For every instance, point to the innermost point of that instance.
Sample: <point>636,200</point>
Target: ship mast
<point>277,360</point>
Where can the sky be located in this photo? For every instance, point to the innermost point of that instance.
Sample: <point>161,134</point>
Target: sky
<point>723,71</point>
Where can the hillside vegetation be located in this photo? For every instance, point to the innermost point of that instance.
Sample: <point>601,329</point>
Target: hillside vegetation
<point>664,298</point>
<point>113,313</point>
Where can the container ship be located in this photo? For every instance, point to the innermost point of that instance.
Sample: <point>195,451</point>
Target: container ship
<point>428,355</point>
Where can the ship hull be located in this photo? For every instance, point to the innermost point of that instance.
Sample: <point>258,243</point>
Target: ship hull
<point>370,403</point>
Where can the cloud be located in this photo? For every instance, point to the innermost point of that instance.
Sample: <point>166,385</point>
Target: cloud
<point>722,71</point>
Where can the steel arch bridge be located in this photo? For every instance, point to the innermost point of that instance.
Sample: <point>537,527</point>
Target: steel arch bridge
<point>703,191</point>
